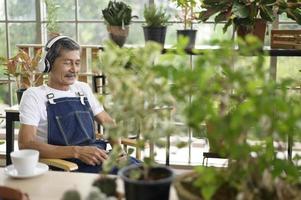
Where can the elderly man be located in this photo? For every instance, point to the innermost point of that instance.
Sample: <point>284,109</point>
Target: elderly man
<point>57,119</point>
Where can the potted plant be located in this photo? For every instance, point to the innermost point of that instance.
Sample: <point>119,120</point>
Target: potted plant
<point>249,16</point>
<point>23,67</point>
<point>141,102</point>
<point>52,25</point>
<point>103,188</point>
<point>188,15</point>
<point>156,21</point>
<point>118,16</point>
<point>250,113</point>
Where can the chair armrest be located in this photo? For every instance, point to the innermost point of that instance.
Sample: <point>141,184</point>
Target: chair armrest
<point>129,142</point>
<point>60,163</point>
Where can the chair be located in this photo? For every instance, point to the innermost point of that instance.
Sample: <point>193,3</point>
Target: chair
<point>60,164</point>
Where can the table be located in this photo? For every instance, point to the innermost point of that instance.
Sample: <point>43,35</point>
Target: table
<point>52,184</point>
<point>11,116</point>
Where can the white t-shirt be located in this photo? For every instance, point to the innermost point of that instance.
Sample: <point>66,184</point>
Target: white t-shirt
<point>34,100</point>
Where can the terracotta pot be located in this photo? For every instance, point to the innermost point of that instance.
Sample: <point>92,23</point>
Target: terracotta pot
<point>182,183</point>
<point>187,191</point>
<point>258,30</point>
<point>10,193</point>
<point>118,34</point>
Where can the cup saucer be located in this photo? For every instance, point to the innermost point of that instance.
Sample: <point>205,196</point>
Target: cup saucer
<point>41,168</point>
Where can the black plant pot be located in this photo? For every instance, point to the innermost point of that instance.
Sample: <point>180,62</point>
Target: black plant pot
<point>147,189</point>
<point>20,93</point>
<point>190,34</point>
<point>156,34</point>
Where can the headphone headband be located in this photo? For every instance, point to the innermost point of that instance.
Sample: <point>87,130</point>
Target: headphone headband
<point>49,45</point>
<point>44,64</point>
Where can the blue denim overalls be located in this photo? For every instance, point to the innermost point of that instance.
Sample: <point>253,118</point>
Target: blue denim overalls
<point>71,122</point>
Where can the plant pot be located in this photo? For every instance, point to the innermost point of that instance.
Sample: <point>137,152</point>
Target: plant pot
<point>158,188</point>
<point>258,30</point>
<point>19,94</point>
<point>184,187</point>
<point>190,34</point>
<point>186,190</point>
<point>156,34</point>
<point>11,193</point>
<point>118,34</point>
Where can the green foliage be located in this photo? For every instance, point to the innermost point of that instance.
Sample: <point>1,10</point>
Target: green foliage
<point>188,14</point>
<point>117,13</point>
<point>244,12</point>
<point>139,100</point>
<point>22,67</point>
<point>106,185</point>
<point>239,104</point>
<point>3,69</point>
<point>71,195</point>
<point>155,17</point>
<point>52,8</point>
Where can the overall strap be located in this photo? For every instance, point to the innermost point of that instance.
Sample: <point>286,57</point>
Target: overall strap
<point>82,97</point>
<point>50,98</point>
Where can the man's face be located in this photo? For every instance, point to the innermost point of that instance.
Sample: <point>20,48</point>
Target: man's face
<point>65,68</point>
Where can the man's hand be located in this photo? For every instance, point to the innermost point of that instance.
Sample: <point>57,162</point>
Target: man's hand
<point>90,155</point>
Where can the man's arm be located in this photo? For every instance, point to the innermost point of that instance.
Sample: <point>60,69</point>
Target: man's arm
<point>89,155</point>
<point>105,119</point>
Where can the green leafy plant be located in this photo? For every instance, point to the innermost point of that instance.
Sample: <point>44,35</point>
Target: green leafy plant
<point>51,8</point>
<point>245,12</point>
<point>117,14</point>
<point>188,14</point>
<point>22,67</point>
<point>155,17</point>
<point>3,62</point>
<point>141,99</point>
<point>249,113</point>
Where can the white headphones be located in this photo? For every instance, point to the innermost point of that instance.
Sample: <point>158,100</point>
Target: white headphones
<point>44,65</point>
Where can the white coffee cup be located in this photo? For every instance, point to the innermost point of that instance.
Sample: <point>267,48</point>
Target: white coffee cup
<point>25,161</point>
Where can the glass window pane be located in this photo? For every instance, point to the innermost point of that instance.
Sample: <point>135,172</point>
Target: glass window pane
<point>2,14</point>
<point>92,33</point>
<point>17,36</point>
<point>170,7</point>
<point>85,9</point>
<point>137,7</point>
<point>135,34</point>
<point>21,10</point>
<point>288,67</point>
<point>171,34</point>
<point>67,29</point>
<point>62,10</point>
<point>207,32</point>
<point>2,38</point>
<point>4,99</point>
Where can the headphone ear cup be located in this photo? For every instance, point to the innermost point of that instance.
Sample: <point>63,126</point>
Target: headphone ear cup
<point>41,65</point>
<point>47,66</point>
<point>44,65</point>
